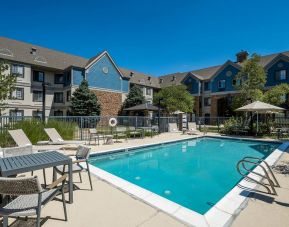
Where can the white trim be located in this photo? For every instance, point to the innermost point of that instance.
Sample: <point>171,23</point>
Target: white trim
<point>222,214</point>
<point>99,57</point>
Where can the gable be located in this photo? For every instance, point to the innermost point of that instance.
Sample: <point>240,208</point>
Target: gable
<point>281,64</point>
<point>228,74</point>
<point>192,83</point>
<point>104,75</point>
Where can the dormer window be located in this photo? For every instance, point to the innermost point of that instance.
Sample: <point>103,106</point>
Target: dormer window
<point>161,81</point>
<point>131,74</point>
<point>33,50</point>
<point>174,78</point>
<point>149,78</point>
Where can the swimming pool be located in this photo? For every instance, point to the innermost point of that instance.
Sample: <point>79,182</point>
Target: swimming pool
<point>195,173</point>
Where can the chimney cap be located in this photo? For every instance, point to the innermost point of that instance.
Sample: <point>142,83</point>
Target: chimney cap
<point>242,56</point>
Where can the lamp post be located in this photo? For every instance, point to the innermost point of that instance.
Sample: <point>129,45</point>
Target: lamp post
<point>44,86</point>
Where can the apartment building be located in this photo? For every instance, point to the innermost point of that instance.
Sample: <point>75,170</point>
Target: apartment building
<point>61,73</point>
<point>213,87</point>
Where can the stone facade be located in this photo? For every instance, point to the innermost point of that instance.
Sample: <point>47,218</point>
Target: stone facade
<point>111,102</point>
<point>197,105</point>
<point>214,106</point>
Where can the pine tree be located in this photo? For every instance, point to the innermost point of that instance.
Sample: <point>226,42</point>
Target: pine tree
<point>134,97</point>
<point>84,102</point>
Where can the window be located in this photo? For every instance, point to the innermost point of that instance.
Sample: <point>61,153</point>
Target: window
<point>37,113</point>
<point>58,97</point>
<point>17,70</point>
<point>18,114</point>
<point>207,101</point>
<point>58,79</point>
<point>68,96</point>
<point>58,113</point>
<point>148,91</point>
<point>281,75</point>
<point>236,82</point>
<point>207,86</point>
<point>222,84</point>
<point>37,96</point>
<point>18,93</point>
<point>38,76</point>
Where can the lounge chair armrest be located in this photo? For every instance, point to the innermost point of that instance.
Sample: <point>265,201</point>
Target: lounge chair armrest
<point>57,182</point>
<point>78,161</point>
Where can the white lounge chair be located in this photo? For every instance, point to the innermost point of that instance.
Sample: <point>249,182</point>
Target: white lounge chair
<point>192,129</point>
<point>56,139</point>
<point>21,139</point>
<point>173,127</point>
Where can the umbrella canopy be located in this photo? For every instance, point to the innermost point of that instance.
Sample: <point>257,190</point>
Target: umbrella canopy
<point>141,107</point>
<point>260,107</point>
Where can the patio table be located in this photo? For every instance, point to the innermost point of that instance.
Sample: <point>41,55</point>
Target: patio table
<point>25,163</point>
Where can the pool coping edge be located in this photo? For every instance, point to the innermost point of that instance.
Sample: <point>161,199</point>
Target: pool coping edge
<point>221,214</point>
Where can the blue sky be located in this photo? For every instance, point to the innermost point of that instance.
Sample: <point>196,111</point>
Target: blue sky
<point>155,37</point>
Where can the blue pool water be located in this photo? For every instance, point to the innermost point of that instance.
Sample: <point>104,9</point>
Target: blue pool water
<point>194,173</point>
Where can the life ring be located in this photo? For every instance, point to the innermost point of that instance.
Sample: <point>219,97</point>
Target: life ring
<point>112,122</point>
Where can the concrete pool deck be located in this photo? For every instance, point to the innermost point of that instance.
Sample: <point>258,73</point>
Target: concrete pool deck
<point>108,206</point>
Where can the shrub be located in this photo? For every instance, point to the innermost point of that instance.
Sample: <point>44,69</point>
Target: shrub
<point>230,124</point>
<point>34,129</point>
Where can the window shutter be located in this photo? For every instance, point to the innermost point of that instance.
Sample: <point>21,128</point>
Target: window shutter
<point>276,75</point>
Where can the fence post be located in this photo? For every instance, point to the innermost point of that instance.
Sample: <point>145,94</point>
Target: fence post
<point>218,124</point>
<point>81,126</point>
<point>135,122</point>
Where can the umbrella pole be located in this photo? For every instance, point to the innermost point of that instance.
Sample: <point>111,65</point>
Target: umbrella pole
<point>257,123</point>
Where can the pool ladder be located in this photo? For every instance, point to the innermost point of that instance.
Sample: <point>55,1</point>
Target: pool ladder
<point>268,173</point>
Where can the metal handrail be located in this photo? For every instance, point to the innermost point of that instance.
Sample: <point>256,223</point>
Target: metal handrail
<point>261,161</point>
<point>258,163</point>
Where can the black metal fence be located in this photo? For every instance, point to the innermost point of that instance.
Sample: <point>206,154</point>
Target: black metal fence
<point>82,124</point>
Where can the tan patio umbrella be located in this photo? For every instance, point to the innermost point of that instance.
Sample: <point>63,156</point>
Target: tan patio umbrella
<point>260,107</point>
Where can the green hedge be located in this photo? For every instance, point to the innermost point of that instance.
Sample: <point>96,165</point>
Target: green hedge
<point>34,129</point>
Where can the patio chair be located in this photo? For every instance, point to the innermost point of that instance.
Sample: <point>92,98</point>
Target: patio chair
<point>95,135</point>
<point>18,151</point>
<point>121,131</point>
<point>192,129</point>
<point>31,197</point>
<point>21,139</point>
<point>81,156</point>
<point>173,127</point>
<point>56,139</point>
<point>133,131</point>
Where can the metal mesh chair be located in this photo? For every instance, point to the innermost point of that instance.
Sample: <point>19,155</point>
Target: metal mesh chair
<point>18,151</point>
<point>30,197</point>
<point>81,156</point>
<point>95,135</point>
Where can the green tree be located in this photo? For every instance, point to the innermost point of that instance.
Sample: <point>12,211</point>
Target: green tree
<point>175,98</point>
<point>274,95</point>
<point>250,82</point>
<point>134,97</point>
<point>7,84</point>
<point>84,102</point>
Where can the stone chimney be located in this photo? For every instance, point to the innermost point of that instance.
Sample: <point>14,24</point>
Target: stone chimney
<point>242,56</point>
